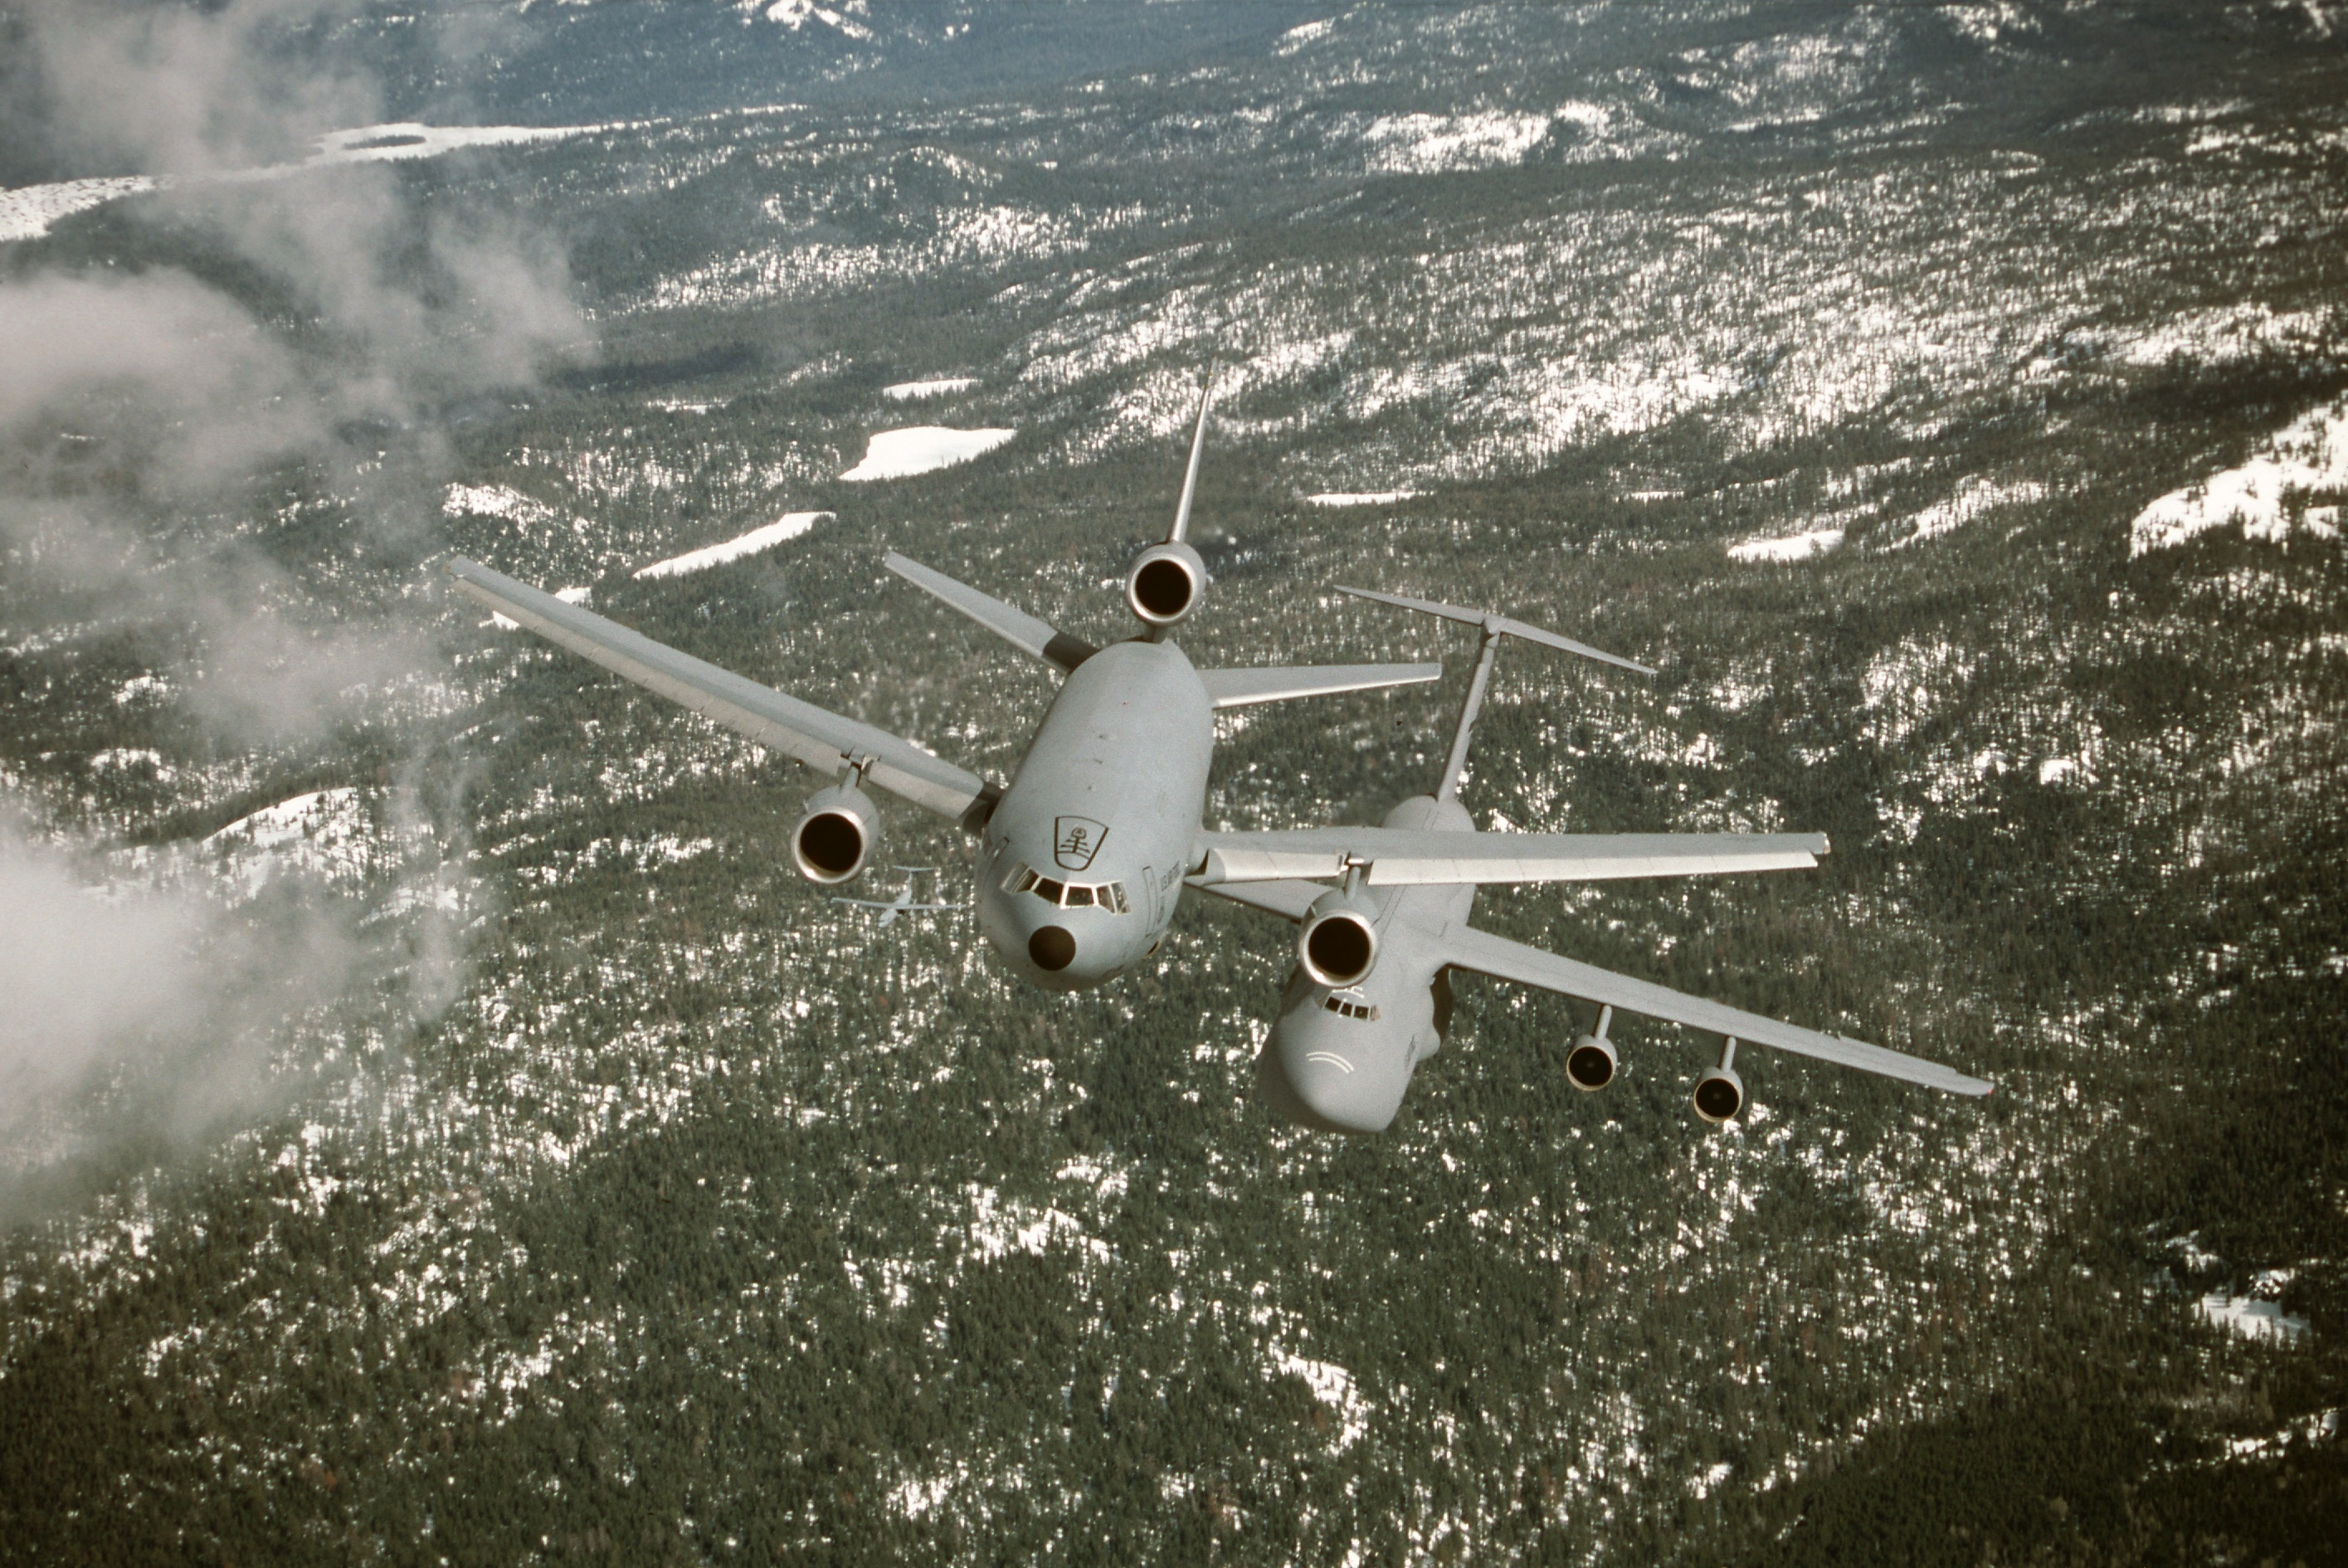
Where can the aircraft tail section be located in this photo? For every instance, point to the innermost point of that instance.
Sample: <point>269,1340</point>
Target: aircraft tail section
<point>1494,627</point>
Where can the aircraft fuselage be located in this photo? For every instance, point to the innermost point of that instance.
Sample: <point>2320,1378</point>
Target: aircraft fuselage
<point>1339,1060</point>
<point>1083,858</point>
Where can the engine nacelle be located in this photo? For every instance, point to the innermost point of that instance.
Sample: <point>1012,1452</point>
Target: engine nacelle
<point>837,835</point>
<point>1589,1064</point>
<point>1719,1095</point>
<point>1338,945</point>
<point>1166,584</point>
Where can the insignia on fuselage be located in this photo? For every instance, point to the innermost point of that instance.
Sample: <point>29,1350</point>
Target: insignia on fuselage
<point>1076,841</point>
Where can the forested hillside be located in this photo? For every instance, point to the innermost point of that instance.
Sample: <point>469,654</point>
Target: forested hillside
<point>528,1165</point>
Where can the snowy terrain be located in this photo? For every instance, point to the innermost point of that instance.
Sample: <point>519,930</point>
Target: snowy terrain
<point>920,450</point>
<point>27,211</point>
<point>913,391</point>
<point>1957,426</point>
<point>2296,481</point>
<point>790,525</point>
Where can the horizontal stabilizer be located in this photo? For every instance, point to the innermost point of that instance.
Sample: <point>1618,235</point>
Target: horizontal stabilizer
<point>1402,857</point>
<point>824,741</point>
<point>1504,960</point>
<point>1037,639</point>
<point>1238,689</point>
<point>1500,623</point>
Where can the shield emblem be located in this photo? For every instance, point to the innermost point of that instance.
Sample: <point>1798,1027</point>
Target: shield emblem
<point>1076,841</point>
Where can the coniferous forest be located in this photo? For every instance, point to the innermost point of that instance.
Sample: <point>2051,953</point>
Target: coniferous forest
<point>437,1124</point>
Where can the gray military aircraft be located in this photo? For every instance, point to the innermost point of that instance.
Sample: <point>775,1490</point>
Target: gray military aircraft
<point>901,905</point>
<point>1370,995</point>
<point>1083,856</point>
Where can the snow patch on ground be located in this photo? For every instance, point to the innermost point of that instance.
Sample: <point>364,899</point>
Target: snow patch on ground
<point>797,13</point>
<point>26,212</point>
<point>998,1229</point>
<point>406,140</point>
<point>1434,144</point>
<point>1333,1386</point>
<point>2268,495</point>
<point>509,504</point>
<point>1359,498</point>
<point>789,526</point>
<point>2256,1316</point>
<point>920,450</point>
<point>1296,37</point>
<point>1792,547</point>
<point>939,386</point>
<point>2221,335</point>
<point>324,833</point>
<point>1492,138</point>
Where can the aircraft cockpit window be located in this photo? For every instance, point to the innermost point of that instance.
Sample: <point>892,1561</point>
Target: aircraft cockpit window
<point>1345,1009</point>
<point>1109,896</point>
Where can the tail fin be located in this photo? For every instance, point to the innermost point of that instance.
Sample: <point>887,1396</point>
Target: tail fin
<point>1190,479</point>
<point>1494,628</point>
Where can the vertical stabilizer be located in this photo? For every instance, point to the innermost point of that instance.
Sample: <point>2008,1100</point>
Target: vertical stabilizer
<point>1493,627</point>
<point>1454,767</point>
<point>1181,527</point>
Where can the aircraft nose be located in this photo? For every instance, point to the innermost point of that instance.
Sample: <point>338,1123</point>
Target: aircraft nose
<point>1052,948</point>
<point>1330,1090</point>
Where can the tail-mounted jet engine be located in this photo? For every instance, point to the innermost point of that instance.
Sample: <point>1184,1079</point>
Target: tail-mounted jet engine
<point>1338,945</point>
<point>1589,1064</point>
<point>836,836</point>
<point>1166,584</point>
<point>1720,1093</point>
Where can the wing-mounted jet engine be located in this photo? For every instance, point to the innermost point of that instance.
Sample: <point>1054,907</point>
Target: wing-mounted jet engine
<point>836,835</point>
<point>1338,943</point>
<point>1719,1094</point>
<point>1591,1062</point>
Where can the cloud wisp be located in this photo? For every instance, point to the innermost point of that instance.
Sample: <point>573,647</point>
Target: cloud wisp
<point>238,353</point>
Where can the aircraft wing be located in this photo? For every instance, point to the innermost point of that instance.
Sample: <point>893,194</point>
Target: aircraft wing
<point>1238,689</point>
<point>1288,900</point>
<point>824,741</point>
<point>1504,960</point>
<point>1398,857</point>
<point>1037,639</point>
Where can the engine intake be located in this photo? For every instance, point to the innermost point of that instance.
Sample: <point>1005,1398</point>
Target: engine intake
<point>1339,944</point>
<point>1589,1064</point>
<point>837,835</point>
<point>1165,583</point>
<point>1719,1095</point>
